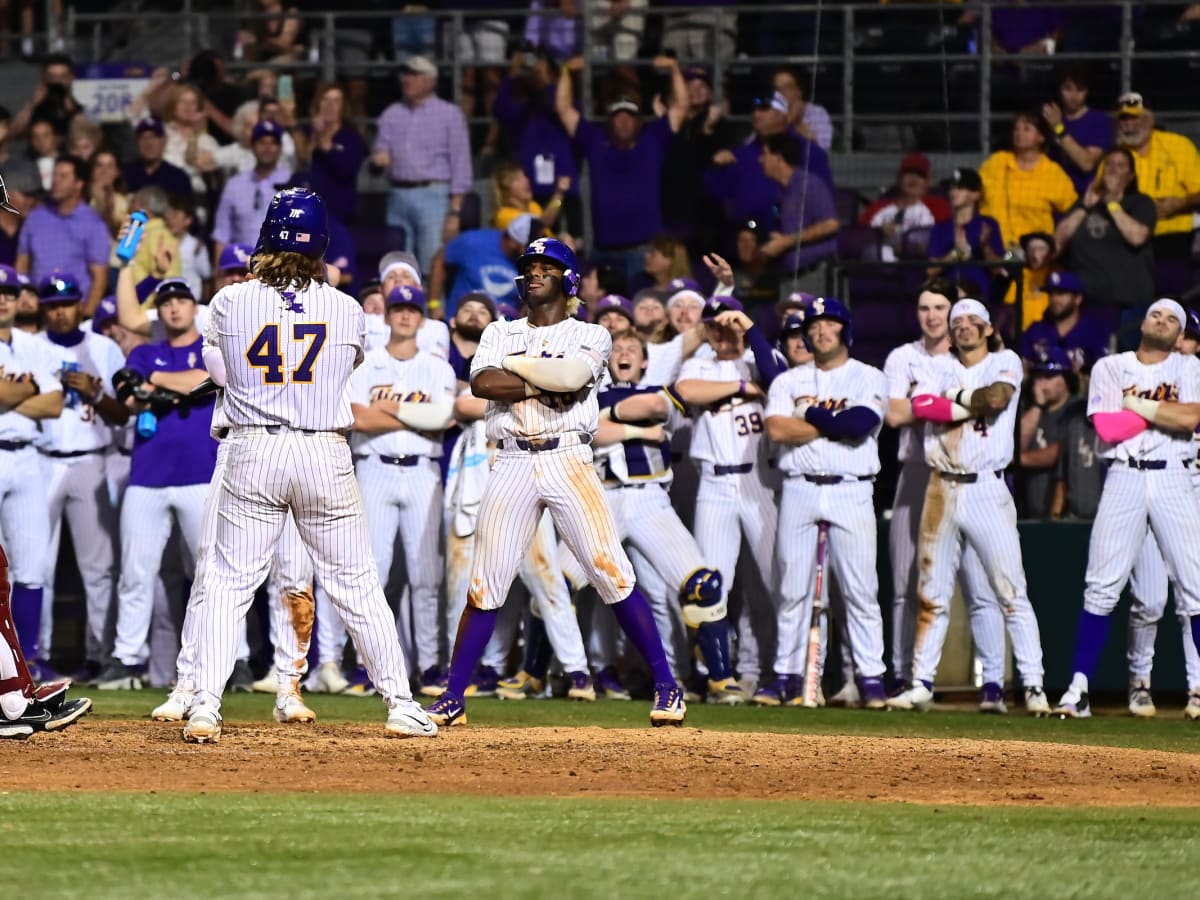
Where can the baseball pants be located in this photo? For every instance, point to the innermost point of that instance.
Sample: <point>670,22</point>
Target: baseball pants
<point>1148,585</point>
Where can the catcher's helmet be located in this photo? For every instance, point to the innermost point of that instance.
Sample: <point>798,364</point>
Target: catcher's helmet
<point>827,308</point>
<point>295,223</point>
<point>555,251</point>
<point>59,287</point>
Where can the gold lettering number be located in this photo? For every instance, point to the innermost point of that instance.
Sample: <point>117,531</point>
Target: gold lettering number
<point>264,353</point>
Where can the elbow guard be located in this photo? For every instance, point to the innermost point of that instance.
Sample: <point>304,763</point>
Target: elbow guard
<point>849,424</point>
<point>559,376</point>
<point>932,408</point>
<point>1120,426</point>
<point>425,416</point>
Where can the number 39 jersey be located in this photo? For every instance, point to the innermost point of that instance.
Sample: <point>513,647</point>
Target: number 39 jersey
<point>732,432</point>
<point>288,354</point>
<point>975,445</point>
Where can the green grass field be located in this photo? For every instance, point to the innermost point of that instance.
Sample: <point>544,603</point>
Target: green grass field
<point>293,845</point>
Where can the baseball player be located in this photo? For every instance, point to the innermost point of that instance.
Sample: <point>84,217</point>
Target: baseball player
<point>172,465</point>
<point>969,400</point>
<point>73,449</point>
<point>540,375</point>
<point>904,369</point>
<point>1148,586</point>
<point>25,706</point>
<point>736,497</point>
<point>284,346</point>
<point>402,401</point>
<point>30,393</point>
<point>636,473</point>
<point>400,269</point>
<point>1145,406</point>
<point>825,416</point>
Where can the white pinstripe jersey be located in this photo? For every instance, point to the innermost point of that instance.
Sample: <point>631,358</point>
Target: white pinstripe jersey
<point>542,417</point>
<point>903,369</point>
<point>422,379</point>
<point>288,355</point>
<point>976,445</point>
<point>1176,378</point>
<point>852,384</point>
<point>22,358</point>
<point>80,427</point>
<point>733,432</point>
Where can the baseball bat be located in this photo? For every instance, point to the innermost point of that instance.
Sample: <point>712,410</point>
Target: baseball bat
<point>812,665</point>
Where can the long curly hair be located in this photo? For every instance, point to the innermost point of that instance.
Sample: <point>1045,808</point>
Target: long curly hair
<point>284,269</point>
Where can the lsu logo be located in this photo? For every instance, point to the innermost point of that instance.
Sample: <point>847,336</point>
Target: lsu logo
<point>537,247</point>
<point>389,392</point>
<point>296,214</point>
<point>1162,392</point>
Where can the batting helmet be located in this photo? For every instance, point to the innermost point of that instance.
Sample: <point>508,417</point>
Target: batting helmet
<point>10,281</point>
<point>295,223</point>
<point>827,308</point>
<point>59,287</point>
<point>557,252</point>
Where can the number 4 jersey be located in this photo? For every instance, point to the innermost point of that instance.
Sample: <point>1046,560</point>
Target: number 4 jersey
<point>733,432</point>
<point>975,445</point>
<point>288,354</point>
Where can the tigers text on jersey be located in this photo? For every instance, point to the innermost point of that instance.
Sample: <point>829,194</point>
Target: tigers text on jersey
<point>288,355</point>
<point>422,379</point>
<point>543,416</point>
<point>903,369</point>
<point>22,358</point>
<point>638,460</point>
<point>79,427</point>
<point>852,384</point>
<point>731,433</point>
<point>1176,378</point>
<point>975,445</point>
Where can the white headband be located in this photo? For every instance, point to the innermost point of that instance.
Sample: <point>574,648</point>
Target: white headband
<point>969,307</point>
<point>1170,306</point>
<point>400,265</point>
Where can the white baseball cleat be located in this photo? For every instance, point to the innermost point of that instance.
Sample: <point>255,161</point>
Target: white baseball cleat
<point>848,696</point>
<point>1036,703</point>
<point>1075,703</point>
<point>268,684</point>
<point>328,679</point>
<point>290,707</point>
<point>175,708</point>
<point>203,726</point>
<point>408,719</point>
<point>1141,702</point>
<point>1192,710</point>
<point>917,697</point>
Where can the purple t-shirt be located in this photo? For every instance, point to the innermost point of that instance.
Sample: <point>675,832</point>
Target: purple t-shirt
<point>1085,343</point>
<point>806,201</point>
<point>334,174</point>
<point>543,145</point>
<point>626,189</point>
<point>941,242</point>
<point>1017,27</point>
<point>1092,129</point>
<point>745,191</point>
<point>71,242</point>
<point>181,451</point>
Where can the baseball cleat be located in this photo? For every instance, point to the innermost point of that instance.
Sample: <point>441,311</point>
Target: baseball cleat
<point>432,682</point>
<point>40,715</point>
<point>669,708</point>
<point>484,683</point>
<point>725,692</point>
<point>328,679</point>
<point>848,696</point>
<point>872,692</point>
<point>119,677</point>
<point>175,708</point>
<point>1036,703</point>
<point>581,687</point>
<point>268,684</point>
<point>447,710</point>
<point>1141,703</point>
<point>918,697</point>
<point>14,730</point>
<point>203,726</point>
<point>520,686</point>
<point>290,707</point>
<point>1074,705</point>
<point>359,684</point>
<point>785,690</point>
<point>1192,710</point>
<point>407,719</point>
<point>991,699</point>
<point>609,686</point>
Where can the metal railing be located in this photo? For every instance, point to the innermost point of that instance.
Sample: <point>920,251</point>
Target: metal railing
<point>198,25</point>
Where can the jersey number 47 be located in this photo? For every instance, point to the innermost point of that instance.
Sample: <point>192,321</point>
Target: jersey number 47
<point>264,353</point>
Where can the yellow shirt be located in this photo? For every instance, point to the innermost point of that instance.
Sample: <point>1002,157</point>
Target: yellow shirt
<point>1023,202</point>
<point>505,214</point>
<point>155,235</point>
<point>1169,168</point>
<point>1034,298</point>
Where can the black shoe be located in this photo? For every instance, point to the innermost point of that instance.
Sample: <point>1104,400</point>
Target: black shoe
<point>39,717</point>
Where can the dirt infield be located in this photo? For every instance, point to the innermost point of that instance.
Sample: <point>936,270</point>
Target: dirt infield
<point>672,763</point>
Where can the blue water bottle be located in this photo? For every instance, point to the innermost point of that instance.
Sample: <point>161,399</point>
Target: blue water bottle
<point>147,424</point>
<point>70,395</point>
<point>133,236</point>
